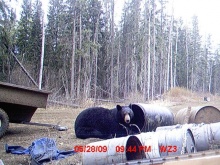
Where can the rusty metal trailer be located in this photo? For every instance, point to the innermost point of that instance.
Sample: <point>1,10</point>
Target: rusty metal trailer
<point>18,104</point>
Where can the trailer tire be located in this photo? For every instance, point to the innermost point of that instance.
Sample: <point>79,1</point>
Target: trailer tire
<point>4,122</point>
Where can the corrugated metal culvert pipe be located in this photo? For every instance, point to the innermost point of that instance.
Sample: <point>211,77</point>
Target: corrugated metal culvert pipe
<point>200,114</point>
<point>167,143</point>
<point>148,116</point>
<point>181,139</point>
<point>206,136</point>
<point>111,151</point>
<point>142,146</point>
<point>150,144</point>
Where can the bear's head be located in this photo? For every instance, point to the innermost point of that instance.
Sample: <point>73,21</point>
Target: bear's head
<point>124,114</point>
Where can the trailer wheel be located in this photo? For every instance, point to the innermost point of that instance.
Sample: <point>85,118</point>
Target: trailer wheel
<point>4,122</point>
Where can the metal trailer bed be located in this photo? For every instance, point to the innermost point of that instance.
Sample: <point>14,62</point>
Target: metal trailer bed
<point>18,104</point>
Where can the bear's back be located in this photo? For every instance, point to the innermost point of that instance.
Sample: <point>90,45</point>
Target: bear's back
<point>93,116</point>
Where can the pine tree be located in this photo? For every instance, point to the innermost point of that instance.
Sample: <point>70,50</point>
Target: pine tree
<point>7,40</point>
<point>24,31</point>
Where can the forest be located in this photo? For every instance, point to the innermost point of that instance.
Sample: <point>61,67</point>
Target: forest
<point>80,52</point>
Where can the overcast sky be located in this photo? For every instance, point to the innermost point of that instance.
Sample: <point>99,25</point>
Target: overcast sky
<point>208,12</point>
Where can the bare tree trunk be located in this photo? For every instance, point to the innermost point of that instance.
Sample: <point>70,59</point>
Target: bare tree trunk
<point>95,53</point>
<point>80,55</point>
<point>154,53</point>
<point>118,67</point>
<point>161,50</point>
<point>42,55</point>
<point>193,67</point>
<point>112,49</point>
<point>148,52</point>
<point>187,62</point>
<point>72,90</point>
<point>87,72</point>
<point>171,66</point>
<point>210,76</point>
<point>145,73</point>
<point>65,78</point>
<point>177,35</point>
<point>25,71</point>
<point>169,57</point>
<point>192,76</point>
<point>132,74</point>
<point>9,69</point>
<point>126,71</point>
<point>145,51</point>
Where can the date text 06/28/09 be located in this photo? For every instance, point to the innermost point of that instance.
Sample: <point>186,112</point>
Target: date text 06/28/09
<point>81,148</point>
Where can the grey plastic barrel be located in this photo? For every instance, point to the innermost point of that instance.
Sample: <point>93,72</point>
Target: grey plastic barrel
<point>148,116</point>
<point>200,114</point>
<point>206,136</point>
<point>114,155</point>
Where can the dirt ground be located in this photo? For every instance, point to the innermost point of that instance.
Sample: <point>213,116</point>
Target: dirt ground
<point>24,135</point>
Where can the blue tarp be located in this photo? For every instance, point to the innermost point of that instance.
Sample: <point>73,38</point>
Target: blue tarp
<point>42,150</point>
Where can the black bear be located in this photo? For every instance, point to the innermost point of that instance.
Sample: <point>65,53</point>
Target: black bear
<point>98,122</point>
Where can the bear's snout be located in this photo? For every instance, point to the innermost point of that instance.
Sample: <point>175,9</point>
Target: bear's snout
<point>127,118</point>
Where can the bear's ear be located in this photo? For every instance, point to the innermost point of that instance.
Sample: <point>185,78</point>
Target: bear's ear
<point>118,107</point>
<point>130,106</point>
